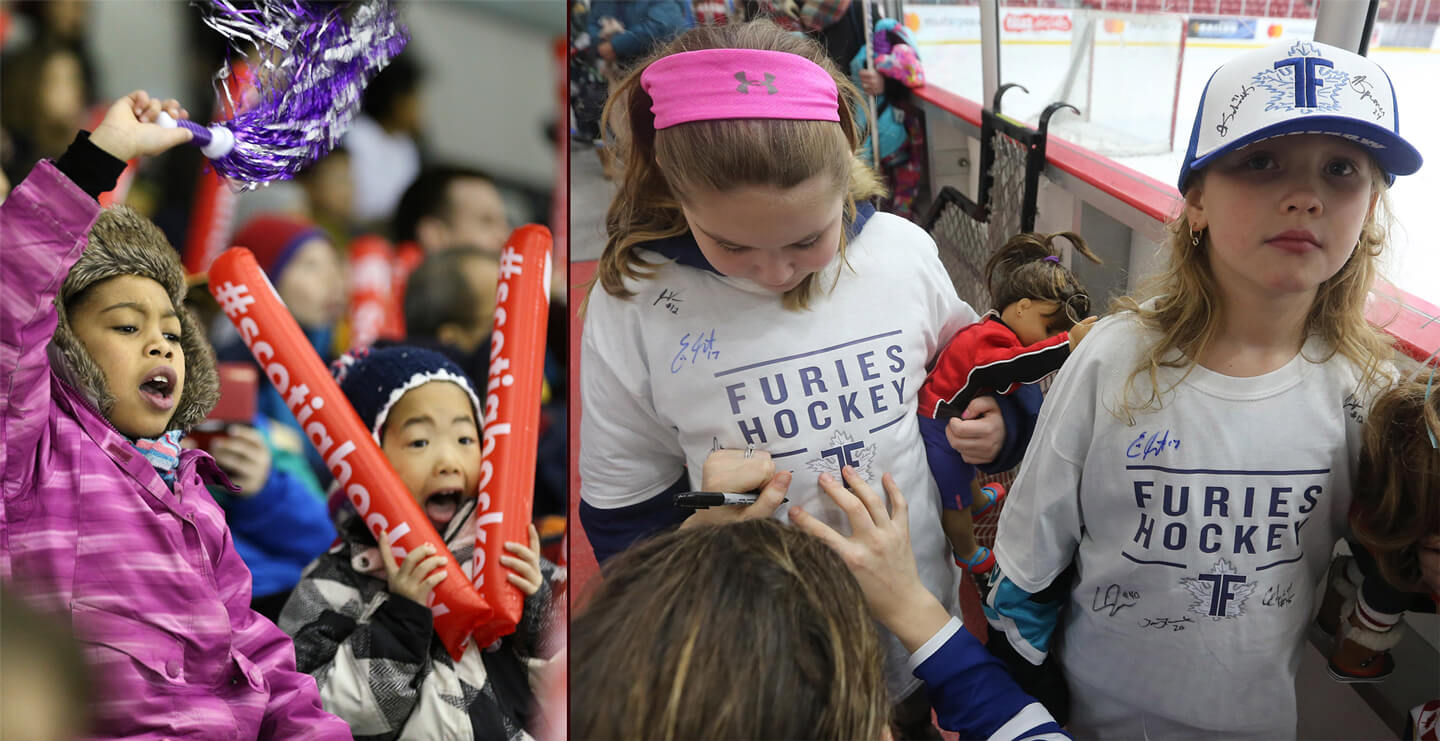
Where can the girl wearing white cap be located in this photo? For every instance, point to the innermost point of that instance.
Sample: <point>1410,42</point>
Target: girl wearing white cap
<point>1193,460</point>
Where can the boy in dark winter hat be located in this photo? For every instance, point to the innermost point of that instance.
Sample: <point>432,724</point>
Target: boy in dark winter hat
<point>360,622</point>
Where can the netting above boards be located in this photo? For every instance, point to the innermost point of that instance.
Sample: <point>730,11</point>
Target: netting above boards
<point>968,232</point>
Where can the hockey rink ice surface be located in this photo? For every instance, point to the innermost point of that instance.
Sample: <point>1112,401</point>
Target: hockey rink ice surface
<point>1413,257</point>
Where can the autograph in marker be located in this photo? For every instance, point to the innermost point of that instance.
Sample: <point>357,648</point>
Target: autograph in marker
<point>1361,85</point>
<point>671,300</point>
<point>1275,596</point>
<point>1174,624</point>
<point>1114,599</point>
<point>1235,100</point>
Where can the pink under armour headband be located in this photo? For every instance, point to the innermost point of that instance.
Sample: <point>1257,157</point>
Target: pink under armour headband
<point>739,83</point>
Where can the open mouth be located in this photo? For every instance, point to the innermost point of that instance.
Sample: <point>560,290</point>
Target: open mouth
<point>158,388</point>
<point>441,507</point>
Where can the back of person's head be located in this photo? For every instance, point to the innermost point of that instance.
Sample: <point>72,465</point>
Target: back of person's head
<point>1397,482</point>
<point>450,297</point>
<point>45,686</point>
<point>451,205</point>
<point>1029,266</point>
<point>753,630</point>
<point>394,92</point>
<point>660,168</point>
<point>124,243</point>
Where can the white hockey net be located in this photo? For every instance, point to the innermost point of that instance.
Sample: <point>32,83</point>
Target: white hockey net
<point>1122,71</point>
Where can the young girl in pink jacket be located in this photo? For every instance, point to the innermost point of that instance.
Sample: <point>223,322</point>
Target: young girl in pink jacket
<point>104,520</point>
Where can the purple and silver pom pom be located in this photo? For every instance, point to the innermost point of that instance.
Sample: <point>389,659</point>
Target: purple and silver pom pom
<point>315,59</point>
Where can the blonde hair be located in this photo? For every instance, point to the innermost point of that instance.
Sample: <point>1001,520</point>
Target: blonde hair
<point>749,630</point>
<point>1186,312</point>
<point>659,166</point>
<point>1397,484</point>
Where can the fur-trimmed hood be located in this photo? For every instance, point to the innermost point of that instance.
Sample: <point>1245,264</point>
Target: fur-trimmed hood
<point>122,242</point>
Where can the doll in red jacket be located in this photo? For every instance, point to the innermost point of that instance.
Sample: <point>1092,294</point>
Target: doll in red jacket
<point>1036,322</point>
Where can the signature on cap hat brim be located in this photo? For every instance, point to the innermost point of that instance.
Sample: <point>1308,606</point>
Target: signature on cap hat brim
<point>1395,155</point>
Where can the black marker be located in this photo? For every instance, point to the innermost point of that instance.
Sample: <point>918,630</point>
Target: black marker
<point>707,499</point>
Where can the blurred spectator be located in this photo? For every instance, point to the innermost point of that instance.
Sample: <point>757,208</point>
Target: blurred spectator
<point>452,206</point>
<point>624,31</point>
<point>450,303</point>
<point>44,682</point>
<point>278,519</point>
<point>712,12</point>
<point>837,24</point>
<point>901,136</point>
<point>306,271</point>
<point>384,140</point>
<point>43,99</point>
<point>63,23</point>
<point>62,20</point>
<point>330,195</point>
<point>588,88</point>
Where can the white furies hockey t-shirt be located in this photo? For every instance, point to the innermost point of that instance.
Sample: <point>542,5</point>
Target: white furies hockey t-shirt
<point>696,358</point>
<point>1200,532</point>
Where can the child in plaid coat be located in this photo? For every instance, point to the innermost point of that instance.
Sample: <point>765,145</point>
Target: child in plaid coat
<point>360,622</point>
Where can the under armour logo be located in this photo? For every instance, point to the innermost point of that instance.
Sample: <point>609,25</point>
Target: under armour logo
<point>1305,78</point>
<point>745,83</point>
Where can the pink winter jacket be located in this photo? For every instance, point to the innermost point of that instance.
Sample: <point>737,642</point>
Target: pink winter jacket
<point>156,593</point>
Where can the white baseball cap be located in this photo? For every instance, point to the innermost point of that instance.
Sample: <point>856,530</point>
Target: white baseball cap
<point>1299,87</point>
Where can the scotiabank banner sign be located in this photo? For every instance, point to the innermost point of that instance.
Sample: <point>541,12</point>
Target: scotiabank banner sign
<point>1221,28</point>
<point>1031,22</point>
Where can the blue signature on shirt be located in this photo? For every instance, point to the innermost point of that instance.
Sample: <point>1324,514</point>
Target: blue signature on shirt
<point>693,349</point>
<point>1151,445</point>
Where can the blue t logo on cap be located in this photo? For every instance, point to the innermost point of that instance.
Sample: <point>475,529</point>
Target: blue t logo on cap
<point>1305,78</point>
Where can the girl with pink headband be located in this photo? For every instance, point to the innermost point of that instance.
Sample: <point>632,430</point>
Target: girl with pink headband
<point>753,310</point>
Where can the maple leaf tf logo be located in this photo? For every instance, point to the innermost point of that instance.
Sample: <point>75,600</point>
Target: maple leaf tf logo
<point>1220,593</point>
<point>843,451</point>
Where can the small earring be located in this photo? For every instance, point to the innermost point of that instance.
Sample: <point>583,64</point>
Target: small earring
<point>1195,237</point>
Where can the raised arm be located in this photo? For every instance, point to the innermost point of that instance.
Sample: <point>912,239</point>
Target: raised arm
<point>44,225</point>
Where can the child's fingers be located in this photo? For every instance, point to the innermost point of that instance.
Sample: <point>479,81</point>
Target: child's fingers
<point>521,566</point>
<point>525,557</point>
<point>520,550</point>
<point>525,585</point>
<point>245,435</point>
<point>429,565</point>
<point>139,99</point>
<point>150,111</point>
<point>233,454</point>
<point>413,557</point>
<point>534,538</point>
<point>430,581</point>
<point>387,556</point>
